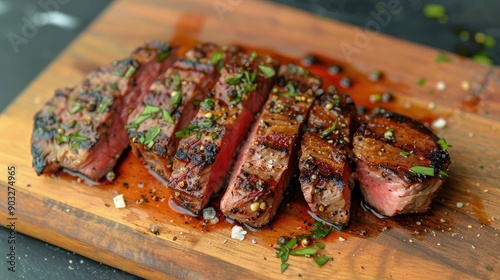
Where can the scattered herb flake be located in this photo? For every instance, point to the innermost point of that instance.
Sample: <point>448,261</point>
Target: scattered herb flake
<point>434,11</point>
<point>322,260</point>
<point>331,129</point>
<point>304,252</point>
<point>421,82</point>
<point>234,80</point>
<point>162,56</point>
<point>424,170</point>
<point>216,57</point>
<point>175,99</point>
<point>443,144</point>
<point>482,59</point>
<point>268,71</point>
<point>442,174</point>
<point>389,133</point>
<point>104,105</point>
<point>320,245</point>
<point>207,103</point>
<point>151,135</point>
<point>320,231</point>
<point>489,267</point>
<point>113,86</point>
<point>441,57</point>
<point>405,154</point>
<point>289,94</point>
<point>130,71</point>
<point>284,266</point>
<point>75,109</point>
<point>167,116</point>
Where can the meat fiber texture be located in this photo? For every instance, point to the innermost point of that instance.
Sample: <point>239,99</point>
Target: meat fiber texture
<point>81,129</point>
<point>325,171</point>
<point>401,164</point>
<point>268,160</point>
<point>169,105</point>
<point>206,152</point>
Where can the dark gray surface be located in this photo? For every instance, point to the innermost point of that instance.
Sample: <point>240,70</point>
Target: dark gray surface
<point>38,260</point>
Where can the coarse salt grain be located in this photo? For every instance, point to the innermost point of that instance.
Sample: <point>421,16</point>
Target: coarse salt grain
<point>460,204</point>
<point>119,201</point>
<point>341,239</point>
<point>439,123</point>
<point>440,85</point>
<point>238,233</point>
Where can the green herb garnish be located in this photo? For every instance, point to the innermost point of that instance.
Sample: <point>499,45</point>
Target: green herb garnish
<point>441,57</point>
<point>254,54</point>
<point>320,245</point>
<point>268,71</point>
<point>162,56</point>
<point>113,86</point>
<point>148,140</point>
<point>104,105</point>
<point>389,133</point>
<point>442,143</point>
<point>322,260</point>
<point>168,118</point>
<point>304,252</point>
<point>442,174</point>
<point>216,57</point>
<point>75,109</point>
<point>175,99</point>
<point>405,154</point>
<point>320,231</point>
<point>130,71</point>
<point>421,82</point>
<point>234,80</point>
<point>284,266</point>
<point>207,104</point>
<point>331,129</point>
<point>424,170</point>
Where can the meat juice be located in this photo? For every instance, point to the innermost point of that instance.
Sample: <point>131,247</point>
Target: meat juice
<point>142,190</point>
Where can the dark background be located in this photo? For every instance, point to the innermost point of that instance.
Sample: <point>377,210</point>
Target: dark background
<point>468,27</point>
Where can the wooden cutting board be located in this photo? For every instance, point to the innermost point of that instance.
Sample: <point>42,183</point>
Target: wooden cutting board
<point>446,242</point>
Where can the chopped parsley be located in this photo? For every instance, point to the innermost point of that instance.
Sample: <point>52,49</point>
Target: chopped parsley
<point>234,80</point>
<point>442,143</point>
<point>442,174</point>
<point>421,82</point>
<point>291,91</point>
<point>331,129</point>
<point>113,86</point>
<point>322,260</point>
<point>197,126</point>
<point>104,105</point>
<point>441,57</point>
<point>405,154</point>
<point>304,252</point>
<point>163,55</point>
<point>216,57</point>
<point>254,54</point>
<point>320,245</point>
<point>152,133</point>
<point>148,111</point>
<point>130,71</point>
<point>389,133</point>
<point>268,71</point>
<point>76,108</point>
<point>168,118</point>
<point>424,170</point>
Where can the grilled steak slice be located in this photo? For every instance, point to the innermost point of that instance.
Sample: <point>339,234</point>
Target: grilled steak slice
<point>325,172</point>
<point>204,157</point>
<point>169,105</point>
<point>81,128</point>
<point>268,160</point>
<point>401,164</point>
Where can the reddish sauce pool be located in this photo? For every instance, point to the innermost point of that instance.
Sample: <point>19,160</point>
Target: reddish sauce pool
<point>141,189</point>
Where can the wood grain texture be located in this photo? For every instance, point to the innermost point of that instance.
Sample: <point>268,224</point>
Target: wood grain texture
<point>450,242</point>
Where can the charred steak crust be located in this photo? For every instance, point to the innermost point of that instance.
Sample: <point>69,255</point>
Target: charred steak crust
<point>169,105</point>
<point>267,161</point>
<point>400,164</point>
<point>81,128</point>
<point>206,152</point>
<point>325,172</point>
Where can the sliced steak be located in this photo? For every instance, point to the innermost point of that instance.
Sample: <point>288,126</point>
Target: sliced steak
<point>268,160</point>
<point>206,153</point>
<point>325,171</point>
<point>82,128</point>
<point>169,105</point>
<point>401,164</point>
